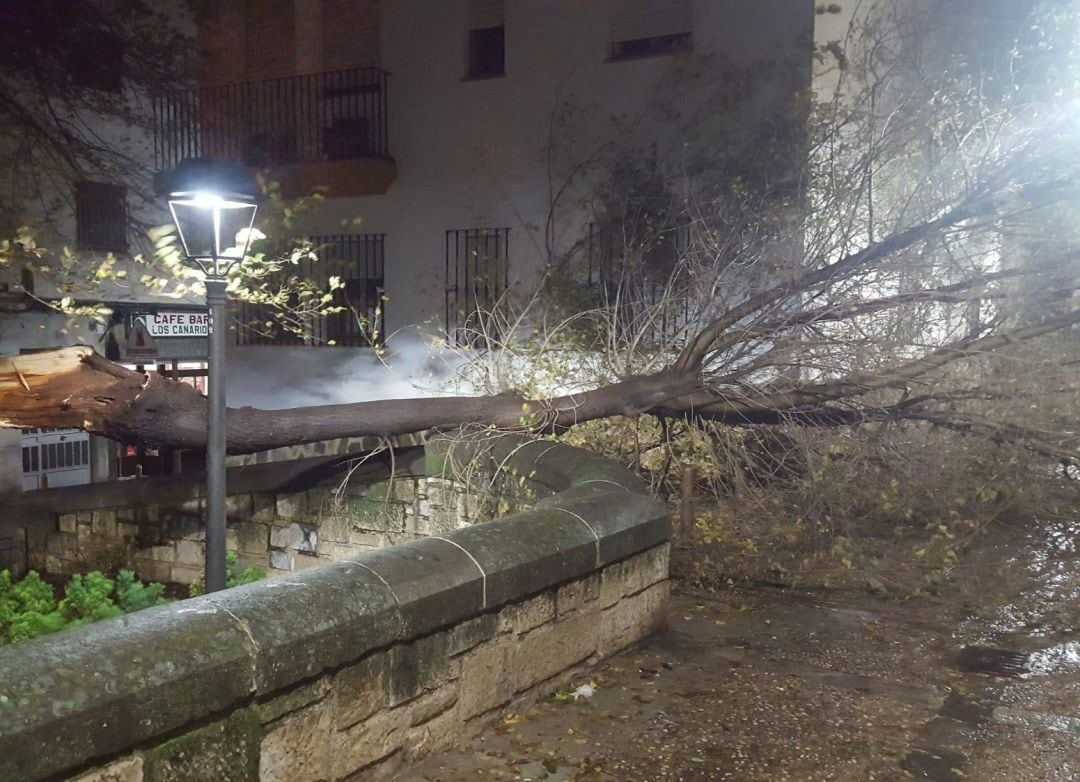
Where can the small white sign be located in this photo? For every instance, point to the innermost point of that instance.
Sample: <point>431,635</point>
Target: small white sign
<point>177,324</point>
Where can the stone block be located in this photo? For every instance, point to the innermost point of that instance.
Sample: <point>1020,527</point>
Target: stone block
<point>370,514</point>
<point>252,538</point>
<point>182,526</point>
<point>238,507</point>
<point>633,523</point>
<point>418,667</point>
<point>54,544</point>
<point>190,552</point>
<point>369,540</point>
<point>299,749</point>
<point>292,506</point>
<point>103,523</point>
<point>307,562</point>
<point>434,582</point>
<point>164,553</point>
<point>527,615</point>
<point>126,514</point>
<point>67,522</point>
<point>264,508</point>
<point>469,634</point>
<point>304,538</point>
<point>279,537</point>
<point>347,611</point>
<point>149,513</point>
<point>224,751</point>
<point>335,528</point>
<point>433,704</point>
<point>360,690</point>
<point>185,574</point>
<point>634,574</point>
<point>633,618</point>
<point>570,597</point>
<point>528,552</point>
<point>551,649</point>
<point>126,770</point>
<point>280,560</point>
<point>484,669</point>
<point>368,742</point>
<point>127,531</point>
<point>293,700</point>
<point>152,570</point>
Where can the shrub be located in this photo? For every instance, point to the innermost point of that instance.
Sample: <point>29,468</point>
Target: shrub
<point>28,608</point>
<point>234,575</point>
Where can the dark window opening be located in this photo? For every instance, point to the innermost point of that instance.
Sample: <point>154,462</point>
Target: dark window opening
<point>652,47</point>
<point>96,60</point>
<point>477,276</point>
<point>101,216</point>
<point>487,53</point>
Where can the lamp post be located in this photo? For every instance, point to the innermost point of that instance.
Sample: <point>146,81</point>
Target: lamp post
<point>213,204</point>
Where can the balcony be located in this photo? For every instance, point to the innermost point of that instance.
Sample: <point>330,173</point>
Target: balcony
<point>319,130</point>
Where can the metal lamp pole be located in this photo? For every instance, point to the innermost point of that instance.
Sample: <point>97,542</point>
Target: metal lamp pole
<point>213,205</point>
<point>216,299</point>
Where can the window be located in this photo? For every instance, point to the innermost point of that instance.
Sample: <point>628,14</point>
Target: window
<point>487,40</point>
<point>487,53</point>
<point>477,270</point>
<point>101,216</point>
<point>649,28</point>
<point>358,261</point>
<point>96,60</point>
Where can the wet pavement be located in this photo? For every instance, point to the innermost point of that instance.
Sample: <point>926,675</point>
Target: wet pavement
<point>774,684</point>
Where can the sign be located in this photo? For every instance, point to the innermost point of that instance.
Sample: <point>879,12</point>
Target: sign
<point>139,343</point>
<point>177,324</point>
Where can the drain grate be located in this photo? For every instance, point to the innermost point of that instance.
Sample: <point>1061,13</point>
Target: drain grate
<point>995,662</point>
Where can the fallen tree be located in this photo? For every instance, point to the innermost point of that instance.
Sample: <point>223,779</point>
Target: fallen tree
<point>911,262</point>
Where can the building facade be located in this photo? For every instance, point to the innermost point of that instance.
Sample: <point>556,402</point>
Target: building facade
<point>461,148</point>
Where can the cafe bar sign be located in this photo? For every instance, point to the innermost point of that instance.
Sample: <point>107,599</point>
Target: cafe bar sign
<point>177,324</point>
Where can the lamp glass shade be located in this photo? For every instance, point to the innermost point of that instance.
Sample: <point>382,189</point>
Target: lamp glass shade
<point>215,228</point>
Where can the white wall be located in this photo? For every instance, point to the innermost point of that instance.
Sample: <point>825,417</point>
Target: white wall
<point>471,154</point>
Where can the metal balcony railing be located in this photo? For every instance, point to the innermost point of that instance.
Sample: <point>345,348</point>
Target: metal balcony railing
<point>337,115</point>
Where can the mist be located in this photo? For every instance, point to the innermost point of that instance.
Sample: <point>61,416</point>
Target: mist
<point>274,377</point>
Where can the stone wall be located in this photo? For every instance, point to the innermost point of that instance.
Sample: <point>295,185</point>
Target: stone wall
<point>351,670</point>
<point>280,532</point>
<point>279,525</point>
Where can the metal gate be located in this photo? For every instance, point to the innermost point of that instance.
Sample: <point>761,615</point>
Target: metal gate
<point>55,457</point>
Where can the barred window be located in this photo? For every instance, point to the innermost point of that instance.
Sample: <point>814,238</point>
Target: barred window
<point>358,260</point>
<point>477,273</point>
<point>101,216</point>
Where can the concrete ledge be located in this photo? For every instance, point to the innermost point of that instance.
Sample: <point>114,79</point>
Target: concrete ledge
<point>87,695</point>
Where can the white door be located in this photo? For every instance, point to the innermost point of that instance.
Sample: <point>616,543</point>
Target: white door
<point>55,457</point>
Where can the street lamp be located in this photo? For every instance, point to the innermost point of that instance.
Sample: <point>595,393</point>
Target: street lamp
<point>213,205</point>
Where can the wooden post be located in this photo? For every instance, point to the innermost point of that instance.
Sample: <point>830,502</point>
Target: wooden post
<point>686,504</point>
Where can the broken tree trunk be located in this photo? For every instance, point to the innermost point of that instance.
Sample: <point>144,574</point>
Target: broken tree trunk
<point>75,387</point>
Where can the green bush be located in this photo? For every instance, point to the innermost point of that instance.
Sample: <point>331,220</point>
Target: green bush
<point>28,608</point>
<point>234,575</point>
